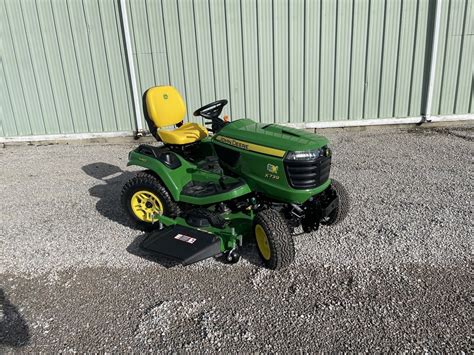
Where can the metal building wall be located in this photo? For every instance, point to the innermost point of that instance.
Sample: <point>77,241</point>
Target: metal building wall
<point>63,68</point>
<point>305,61</point>
<point>64,63</point>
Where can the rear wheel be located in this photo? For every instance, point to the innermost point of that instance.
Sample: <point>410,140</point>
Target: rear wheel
<point>143,196</point>
<point>274,240</point>
<point>342,209</point>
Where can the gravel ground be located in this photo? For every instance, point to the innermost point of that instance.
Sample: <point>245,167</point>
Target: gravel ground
<point>395,275</point>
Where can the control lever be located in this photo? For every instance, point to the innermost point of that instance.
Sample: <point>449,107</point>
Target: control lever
<point>221,182</point>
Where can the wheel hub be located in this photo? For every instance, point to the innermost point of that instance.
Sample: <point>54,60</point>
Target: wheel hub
<point>262,242</point>
<point>145,205</point>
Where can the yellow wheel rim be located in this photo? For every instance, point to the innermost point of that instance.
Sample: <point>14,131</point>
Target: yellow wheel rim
<point>262,242</point>
<point>145,204</point>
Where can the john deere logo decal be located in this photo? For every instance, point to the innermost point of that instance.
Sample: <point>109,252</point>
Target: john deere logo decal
<point>251,146</point>
<point>272,168</point>
<point>234,142</point>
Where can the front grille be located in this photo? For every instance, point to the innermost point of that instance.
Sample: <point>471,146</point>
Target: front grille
<point>307,174</point>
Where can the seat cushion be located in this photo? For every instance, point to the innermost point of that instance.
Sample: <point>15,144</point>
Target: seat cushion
<point>187,133</point>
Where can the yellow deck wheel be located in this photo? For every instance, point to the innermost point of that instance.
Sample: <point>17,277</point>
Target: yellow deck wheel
<point>145,204</point>
<point>262,242</point>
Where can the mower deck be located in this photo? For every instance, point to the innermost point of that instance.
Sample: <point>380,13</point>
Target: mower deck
<point>186,245</point>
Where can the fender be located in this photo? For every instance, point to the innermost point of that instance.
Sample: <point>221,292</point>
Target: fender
<point>173,179</point>
<point>176,178</point>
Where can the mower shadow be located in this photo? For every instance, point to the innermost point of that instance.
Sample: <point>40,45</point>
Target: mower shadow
<point>109,190</point>
<point>14,331</point>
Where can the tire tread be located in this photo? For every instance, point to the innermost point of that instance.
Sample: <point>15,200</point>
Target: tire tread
<point>281,241</point>
<point>147,179</point>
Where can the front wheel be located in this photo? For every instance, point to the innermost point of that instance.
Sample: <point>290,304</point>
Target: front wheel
<point>274,240</point>
<point>143,196</point>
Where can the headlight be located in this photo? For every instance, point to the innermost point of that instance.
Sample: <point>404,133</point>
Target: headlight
<point>309,154</point>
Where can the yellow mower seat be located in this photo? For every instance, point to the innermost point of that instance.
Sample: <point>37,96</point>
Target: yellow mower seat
<point>165,107</point>
<point>187,133</point>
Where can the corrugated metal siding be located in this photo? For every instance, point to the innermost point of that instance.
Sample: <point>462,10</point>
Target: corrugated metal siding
<point>453,93</point>
<point>305,61</point>
<point>64,67</point>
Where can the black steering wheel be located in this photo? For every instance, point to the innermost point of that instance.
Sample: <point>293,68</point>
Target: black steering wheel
<point>211,112</point>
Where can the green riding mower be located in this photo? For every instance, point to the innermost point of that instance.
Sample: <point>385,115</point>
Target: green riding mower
<point>201,195</point>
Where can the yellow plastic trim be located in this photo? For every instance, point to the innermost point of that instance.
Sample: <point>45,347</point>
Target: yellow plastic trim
<point>145,204</point>
<point>250,146</point>
<point>262,242</point>
<point>165,106</point>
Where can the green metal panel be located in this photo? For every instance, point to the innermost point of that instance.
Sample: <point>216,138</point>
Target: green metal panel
<point>220,58</point>
<point>296,59</point>
<point>12,95</point>
<point>17,41</point>
<point>305,61</point>
<point>80,41</point>
<point>173,47</point>
<point>116,65</point>
<point>342,64</point>
<point>64,66</point>
<point>358,51</point>
<point>7,117</point>
<point>455,64</point>
<point>280,58</point>
<point>374,58</point>
<point>205,54</point>
<point>405,58</point>
<point>250,57</point>
<point>420,61</point>
<point>327,59</point>
<point>390,47</point>
<point>235,58</point>
<point>190,57</point>
<point>40,67</point>
<point>312,26</point>
<point>265,60</point>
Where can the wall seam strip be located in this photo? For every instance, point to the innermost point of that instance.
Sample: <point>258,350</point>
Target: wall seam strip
<point>434,56</point>
<point>131,66</point>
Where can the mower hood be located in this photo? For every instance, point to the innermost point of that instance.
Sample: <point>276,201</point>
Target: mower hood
<point>270,135</point>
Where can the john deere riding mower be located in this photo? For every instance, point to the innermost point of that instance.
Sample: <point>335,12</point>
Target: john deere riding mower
<point>201,195</point>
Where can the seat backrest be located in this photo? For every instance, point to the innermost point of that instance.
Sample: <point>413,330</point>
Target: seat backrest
<point>165,106</point>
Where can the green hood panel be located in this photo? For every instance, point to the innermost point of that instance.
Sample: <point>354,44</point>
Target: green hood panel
<point>272,135</point>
